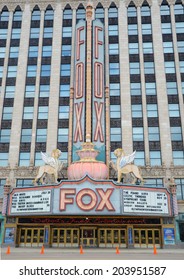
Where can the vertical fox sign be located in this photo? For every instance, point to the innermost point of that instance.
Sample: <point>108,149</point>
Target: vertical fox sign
<point>98,98</point>
<point>79,89</point>
<point>89,99</point>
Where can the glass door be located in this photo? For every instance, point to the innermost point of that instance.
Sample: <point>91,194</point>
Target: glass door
<point>112,237</point>
<point>31,237</point>
<point>88,237</point>
<point>65,237</point>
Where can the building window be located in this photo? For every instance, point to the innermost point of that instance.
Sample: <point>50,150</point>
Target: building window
<point>133,48</point>
<point>139,158</point>
<point>24,159</point>
<point>155,158</point>
<point>14,52</point>
<point>153,133</point>
<point>10,91</point>
<point>135,89</point>
<point>45,70</point>
<point>176,133</point>
<point>151,89</point>
<point>149,68</point>
<point>4,16</point>
<point>172,88</point>
<point>113,12</point>
<point>169,67</point>
<point>24,183</point>
<point>152,111</point>
<point>113,30</point>
<point>114,89</point>
<point>38,159</point>
<point>31,70</point>
<point>30,91</point>
<point>137,111</point>
<point>43,112</point>
<point>63,135</point>
<point>114,68</point>
<point>36,15</point>
<point>178,157</point>
<point>66,50</point>
<point>67,31</point>
<point>26,135</point>
<point>33,51</point>
<point>4,159</point>
<point>148,48</point>
<point>168,47</point>
<point>174,110</point>
<point>35,33</point>
<point>63,112</point>
<point>67,14</point>
<point>64,90</point>
<point>47,51</point>
<point>154,182</point>
<point>134,68</point>
<point>115,134</point>
<point>2,183</point>
<point>138,133</point>
<point>65,70</point>
<point>115,111</point>
<point>5,135</point>
<point>41,135</point>
<point>28,113</point>
<point>113,49</point>
<point>12,71</point>
<point>7,113</point>
<point>44,91</point>
<point>17,16</point>
<point>180,188</point>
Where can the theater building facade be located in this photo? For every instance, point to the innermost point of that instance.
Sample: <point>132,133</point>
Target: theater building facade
<point>92,213</point>
<point>92,123</point>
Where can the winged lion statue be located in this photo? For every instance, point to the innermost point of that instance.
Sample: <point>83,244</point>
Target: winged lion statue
<point>52,166</point>
<point>124,165</point>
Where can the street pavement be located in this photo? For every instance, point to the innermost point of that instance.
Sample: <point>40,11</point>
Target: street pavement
<point>90,254</point>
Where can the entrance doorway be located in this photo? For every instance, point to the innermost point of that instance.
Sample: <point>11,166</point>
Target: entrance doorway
<point>147,238</point>
<point>65,237</point>
<point>112,238</point>
<point>88,237</point>
<point>31,237</point>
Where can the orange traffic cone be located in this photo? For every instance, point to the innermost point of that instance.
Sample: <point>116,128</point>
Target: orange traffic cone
<point>81,250</point>
<point>42,250</point>
<point>154,250</point>
<point>8,250</point>
<point>117,251</point>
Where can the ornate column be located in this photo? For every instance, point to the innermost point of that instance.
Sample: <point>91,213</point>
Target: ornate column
<point>7,187</point>
<point>107,116</point>
<point>70,129</point>
<point>70,138</point>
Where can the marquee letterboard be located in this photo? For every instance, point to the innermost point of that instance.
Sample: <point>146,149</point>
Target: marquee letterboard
<point>31,202</point>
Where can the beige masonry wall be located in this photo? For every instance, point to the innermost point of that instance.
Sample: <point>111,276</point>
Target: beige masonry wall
<point>13,170</point>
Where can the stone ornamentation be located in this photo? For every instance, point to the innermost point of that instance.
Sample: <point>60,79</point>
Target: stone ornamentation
<point>125,166</point>
<point>52,167</point>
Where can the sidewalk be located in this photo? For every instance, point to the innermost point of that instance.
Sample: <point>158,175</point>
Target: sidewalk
<point>91,254</point>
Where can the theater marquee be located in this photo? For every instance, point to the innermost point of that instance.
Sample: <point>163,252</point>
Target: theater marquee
<point>89,197</point>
